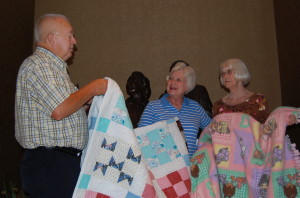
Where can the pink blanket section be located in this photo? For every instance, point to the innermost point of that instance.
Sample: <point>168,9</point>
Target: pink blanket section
<point>239,157</point>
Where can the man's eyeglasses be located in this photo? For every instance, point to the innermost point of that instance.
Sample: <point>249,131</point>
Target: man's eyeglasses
<point>69,36</point>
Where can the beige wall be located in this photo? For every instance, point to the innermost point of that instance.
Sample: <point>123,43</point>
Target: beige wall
<point>118,37</point>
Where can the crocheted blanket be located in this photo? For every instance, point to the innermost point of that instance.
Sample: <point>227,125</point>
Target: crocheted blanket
<point>239,157</point>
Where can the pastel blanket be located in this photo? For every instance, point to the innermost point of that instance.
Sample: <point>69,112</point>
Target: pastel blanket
<point>112,166</point>
<point>239,157</point>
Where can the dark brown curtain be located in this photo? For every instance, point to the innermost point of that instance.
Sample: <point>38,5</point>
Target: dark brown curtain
<point>16,40</point>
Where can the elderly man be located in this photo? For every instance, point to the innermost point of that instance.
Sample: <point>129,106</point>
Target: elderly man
<point>51,122</point>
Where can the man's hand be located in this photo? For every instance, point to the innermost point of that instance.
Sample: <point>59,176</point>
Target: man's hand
<point>77,99</point>
<point>99,86</point>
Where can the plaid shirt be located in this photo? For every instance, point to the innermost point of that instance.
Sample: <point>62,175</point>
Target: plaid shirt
<point>42,84</point>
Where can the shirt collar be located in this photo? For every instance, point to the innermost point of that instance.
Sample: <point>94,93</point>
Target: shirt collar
<point>166,102</point>
<point>61,63</point>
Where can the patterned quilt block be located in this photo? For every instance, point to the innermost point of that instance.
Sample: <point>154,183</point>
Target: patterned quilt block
<point>162,143</point>
<point>176,184</point>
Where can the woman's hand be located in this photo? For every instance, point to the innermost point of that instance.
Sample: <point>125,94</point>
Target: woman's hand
<point>292,119</point>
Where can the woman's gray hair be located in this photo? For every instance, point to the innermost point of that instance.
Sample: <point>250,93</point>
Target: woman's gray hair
<point>240,69</point>
<point>189,74</point>
<point>37,30</point>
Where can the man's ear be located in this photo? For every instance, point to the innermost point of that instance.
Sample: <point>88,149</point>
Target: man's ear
<point>51,39</point>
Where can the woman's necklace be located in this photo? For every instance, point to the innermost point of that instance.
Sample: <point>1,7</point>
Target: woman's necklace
<point>234,100</point>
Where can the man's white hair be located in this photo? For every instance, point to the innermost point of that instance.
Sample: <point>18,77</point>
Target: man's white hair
<point>37,30</point>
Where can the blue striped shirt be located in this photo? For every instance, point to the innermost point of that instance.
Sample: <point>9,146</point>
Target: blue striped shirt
<point>192,117</point>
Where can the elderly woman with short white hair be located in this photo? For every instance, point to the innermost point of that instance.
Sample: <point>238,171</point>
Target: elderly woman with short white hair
<point>192,116</point>
<point>234,77</point>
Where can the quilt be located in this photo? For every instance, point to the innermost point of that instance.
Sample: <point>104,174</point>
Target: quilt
<point>239,157</point>
<point>112,165</point>
<point>164,149</point>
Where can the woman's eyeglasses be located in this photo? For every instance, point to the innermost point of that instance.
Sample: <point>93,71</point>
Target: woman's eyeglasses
<point>227,72</point>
